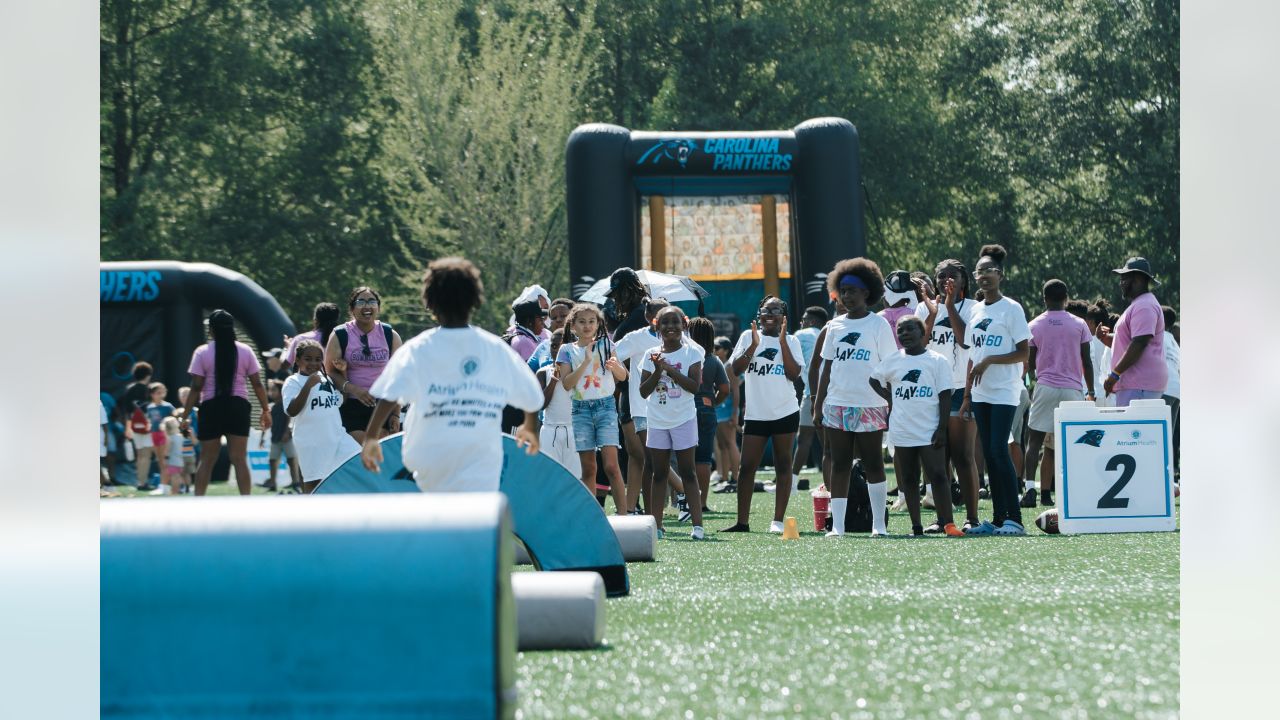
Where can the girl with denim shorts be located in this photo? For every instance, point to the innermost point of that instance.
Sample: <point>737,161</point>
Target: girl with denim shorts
<point>589,370</point>
<point>853,413</point>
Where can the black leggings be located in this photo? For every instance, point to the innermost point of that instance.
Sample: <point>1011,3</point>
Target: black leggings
<point>994,424</point>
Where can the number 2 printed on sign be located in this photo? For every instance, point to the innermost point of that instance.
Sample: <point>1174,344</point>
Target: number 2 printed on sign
<point>1109,499</point>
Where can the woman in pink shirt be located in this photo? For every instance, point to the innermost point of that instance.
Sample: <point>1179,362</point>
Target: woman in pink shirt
<point>218,370</point>
<point>369,344</point>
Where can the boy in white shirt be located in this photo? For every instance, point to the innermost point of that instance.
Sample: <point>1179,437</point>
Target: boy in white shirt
<point>457,378</point>
<point>919,408</point>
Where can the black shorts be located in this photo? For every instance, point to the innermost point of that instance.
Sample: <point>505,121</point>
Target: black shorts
<point>223,415</point>
<point>769,428</point>
<point>355,416</point>
<point>706,452</point>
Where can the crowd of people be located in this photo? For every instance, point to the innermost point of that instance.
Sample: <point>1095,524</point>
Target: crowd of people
<point>941,373</point>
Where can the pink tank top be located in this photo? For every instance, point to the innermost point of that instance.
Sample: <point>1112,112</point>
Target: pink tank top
<point>363,369</point>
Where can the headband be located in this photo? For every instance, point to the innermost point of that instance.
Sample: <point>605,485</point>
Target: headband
<point>852,281</point>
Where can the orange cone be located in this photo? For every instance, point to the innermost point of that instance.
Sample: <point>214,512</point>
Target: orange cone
<point>789,531</point>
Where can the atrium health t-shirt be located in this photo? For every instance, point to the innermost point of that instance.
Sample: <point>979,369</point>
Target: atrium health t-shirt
<point>915,382</point>
<point>770,395</point>
<point>855,348</point>
<point>457,381</point>
<point>996,329</point>
<point>670,405</point>
<point>1057,336</point>
<point>943,339</point>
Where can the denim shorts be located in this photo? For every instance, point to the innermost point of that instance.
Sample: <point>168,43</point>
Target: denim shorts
<point>641,423</point>
<point>595,424</point>
<point>957,399</point>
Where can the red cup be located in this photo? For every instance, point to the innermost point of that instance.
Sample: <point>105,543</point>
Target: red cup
<point>821,511</point>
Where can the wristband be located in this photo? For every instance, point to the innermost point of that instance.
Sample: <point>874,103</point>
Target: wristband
<point>1114,375</point>
<point>345,383</point>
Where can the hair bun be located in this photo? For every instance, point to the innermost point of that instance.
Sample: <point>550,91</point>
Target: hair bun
<point>995,252</point>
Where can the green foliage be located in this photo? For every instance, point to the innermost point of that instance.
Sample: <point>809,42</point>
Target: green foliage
<point>318,145</point>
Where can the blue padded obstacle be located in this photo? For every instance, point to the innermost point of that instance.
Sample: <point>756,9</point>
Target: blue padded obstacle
<point>552,512</point>
<point>353,607</point>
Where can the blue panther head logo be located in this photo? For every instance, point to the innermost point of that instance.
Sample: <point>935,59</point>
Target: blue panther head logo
<point>912,376</point>
<point>851,338</point>
<point>768,353</point>
<point>1091,437</point>
<point>984,324</point>
<point>678,150</point>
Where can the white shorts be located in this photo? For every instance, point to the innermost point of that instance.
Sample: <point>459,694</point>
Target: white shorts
<point>317,461</point>
<point>557,443</point>
<point>1045,401</point>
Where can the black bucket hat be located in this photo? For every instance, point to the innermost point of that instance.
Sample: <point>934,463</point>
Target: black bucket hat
<point>1138,265</point>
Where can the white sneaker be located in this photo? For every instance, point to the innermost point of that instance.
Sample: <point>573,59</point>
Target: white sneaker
<point>835,534</point>
<point>771,487</point>
<point>900,504</point>
<point>697,533</point>
<point>878,534</point>
<point>715,477</point>
<point>775,527</point>
<point>927,501</point>
<point>160,490</point>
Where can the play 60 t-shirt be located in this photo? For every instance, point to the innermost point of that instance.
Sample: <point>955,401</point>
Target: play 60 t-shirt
<point>770,395</point>
<point>996,329</point>
<point>914,381</point>
<point>855,348</point>
<point>943,339</point>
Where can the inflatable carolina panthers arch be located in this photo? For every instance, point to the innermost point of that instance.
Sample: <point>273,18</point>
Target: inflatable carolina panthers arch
<point>742,213</point>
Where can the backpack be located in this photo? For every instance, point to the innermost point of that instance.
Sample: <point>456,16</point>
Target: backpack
<point>341,332</point>
<point>138,421</point>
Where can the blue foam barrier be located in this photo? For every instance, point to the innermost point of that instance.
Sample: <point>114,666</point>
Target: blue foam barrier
<point>352,607</point>
<point>552,512</point>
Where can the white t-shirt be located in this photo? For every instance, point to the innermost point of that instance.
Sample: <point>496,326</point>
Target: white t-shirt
<point>457,380</point>
<point>632,347</point>
<point>855,348</point>
<point>321,442</point>
<point>669,404</point>
<point>914,382</point>
<point>1173,361</point>
<point>770,395</point>
<point>943,339</point>
<point>1096,356</point>
<point>996,329</point>
<point>596,381</point>
<point>560,410</point>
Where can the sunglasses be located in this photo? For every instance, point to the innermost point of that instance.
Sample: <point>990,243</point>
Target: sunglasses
<point>366,302</point>
<point>986,271</point>
<point>364,341</point>
<point>771,311</point>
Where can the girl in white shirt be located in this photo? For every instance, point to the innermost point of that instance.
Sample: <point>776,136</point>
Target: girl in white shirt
<point>769,361</point>
<point>589,369</point>
<point>669,379</point>
<point>998,335</point>
<point>557,413</point>
<point>854,415</point>
<point>313,402</point>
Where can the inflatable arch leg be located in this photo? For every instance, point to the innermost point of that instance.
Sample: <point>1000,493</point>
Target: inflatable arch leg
<point>552,513</point>
<point>398,607</point>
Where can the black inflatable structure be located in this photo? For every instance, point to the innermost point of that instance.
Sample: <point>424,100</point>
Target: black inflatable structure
<point>814,165</point>
<point>552,512</point>
<point>154,311</point>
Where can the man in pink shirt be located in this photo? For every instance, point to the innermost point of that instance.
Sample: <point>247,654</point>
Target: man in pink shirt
<point>1058,360</point>
<point>1138,370</point>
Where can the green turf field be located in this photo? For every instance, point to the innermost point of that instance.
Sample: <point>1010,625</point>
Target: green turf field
<point>747,626</point>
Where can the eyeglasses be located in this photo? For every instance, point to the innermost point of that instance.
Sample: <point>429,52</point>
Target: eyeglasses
<point>364,341</point>
<point>986,271</point>
<point>366,302</point>
<point>772,311</point>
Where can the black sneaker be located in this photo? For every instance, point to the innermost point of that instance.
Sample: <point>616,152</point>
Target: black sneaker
<point>1028,499</point>
<point>684,515</point>
<point>1046,499</point>
<point>706,509</point>
<point>919,531</point>
<point>729,487</point>
<point>957,497</point>
<point>681,503</point>
<point>984,493</point>
<point>738,527</point>
<point>759,486</point>
<point>145,488</point>
<point>934,529</point>
<point>802,484</point>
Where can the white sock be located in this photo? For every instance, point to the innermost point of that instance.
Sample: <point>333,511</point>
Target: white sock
<point>928,491</point>
<point>879,493</point>
<point>838,507</point>
<point>1028,485</point>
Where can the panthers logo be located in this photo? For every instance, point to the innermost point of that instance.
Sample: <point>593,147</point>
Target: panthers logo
<point>768,353</point>
<point>912,376</point>
<point>986,323</point>
<point>678,150</point>
<point>851,338</point>
<point>1092,437</point>
<point>944,322</point>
